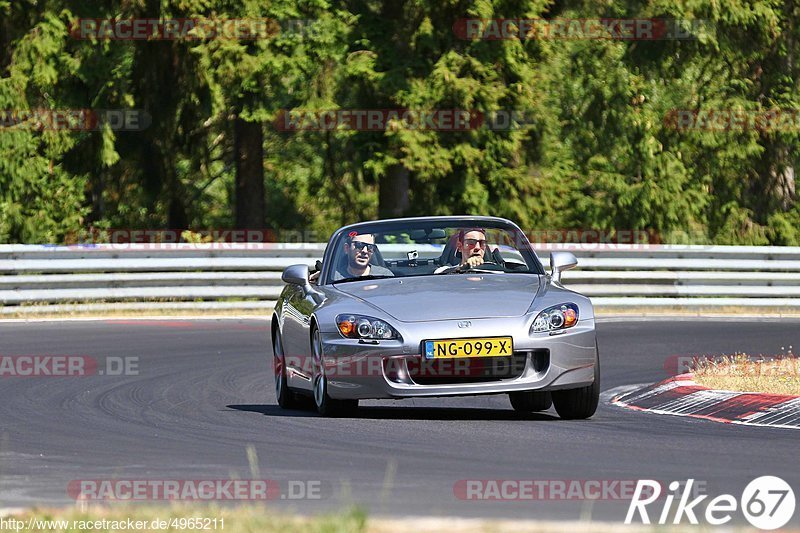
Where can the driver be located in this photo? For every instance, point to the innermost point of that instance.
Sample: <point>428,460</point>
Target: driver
<point>359,250</point>
<point>472,245</point>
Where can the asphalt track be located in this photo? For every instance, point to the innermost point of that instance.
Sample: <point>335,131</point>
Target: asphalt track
<point>204,394</point>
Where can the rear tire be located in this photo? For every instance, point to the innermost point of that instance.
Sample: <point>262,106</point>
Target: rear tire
<point>530,401</point>
<point>326,406</point>
<point>578,404</point>
<point>286,398</point>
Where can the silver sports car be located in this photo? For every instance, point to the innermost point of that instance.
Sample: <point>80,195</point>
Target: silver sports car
<point>434,306</point>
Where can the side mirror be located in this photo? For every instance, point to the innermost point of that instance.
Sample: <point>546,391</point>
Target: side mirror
<point>559,262</point>
<point>296,275</point>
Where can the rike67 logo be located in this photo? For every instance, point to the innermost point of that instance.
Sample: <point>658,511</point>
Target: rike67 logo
<point>767,502</point>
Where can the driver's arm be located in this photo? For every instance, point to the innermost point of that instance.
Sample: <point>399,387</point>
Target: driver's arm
<point>314,275</point>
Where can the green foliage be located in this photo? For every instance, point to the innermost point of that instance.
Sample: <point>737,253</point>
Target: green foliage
<point>596,149</point>
<point>40,200</point>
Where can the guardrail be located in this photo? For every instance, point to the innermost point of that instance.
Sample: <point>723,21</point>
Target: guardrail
<point>36,278</point>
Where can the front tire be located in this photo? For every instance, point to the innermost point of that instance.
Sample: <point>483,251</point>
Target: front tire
<point>326,406</point>
<point>578,404</point>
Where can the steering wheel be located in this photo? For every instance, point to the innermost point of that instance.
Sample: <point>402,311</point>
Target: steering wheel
<point>488,266</point>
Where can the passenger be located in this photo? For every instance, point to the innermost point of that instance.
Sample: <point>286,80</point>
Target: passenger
<point>359,250</point>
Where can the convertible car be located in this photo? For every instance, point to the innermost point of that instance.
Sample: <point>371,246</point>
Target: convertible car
<point>433,307</point>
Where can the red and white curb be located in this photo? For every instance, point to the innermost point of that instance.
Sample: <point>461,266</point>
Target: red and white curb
<point>681,396</point>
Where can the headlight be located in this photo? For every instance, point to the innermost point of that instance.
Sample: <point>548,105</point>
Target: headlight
<point>364,327</point>
<point>555,318</point>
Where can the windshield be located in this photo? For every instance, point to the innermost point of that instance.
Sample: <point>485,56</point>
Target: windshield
<point>428,249</point>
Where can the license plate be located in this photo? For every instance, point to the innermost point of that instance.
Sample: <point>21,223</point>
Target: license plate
<point>483,347</point>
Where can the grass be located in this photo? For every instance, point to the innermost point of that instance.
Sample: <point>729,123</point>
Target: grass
<point>743,373</point>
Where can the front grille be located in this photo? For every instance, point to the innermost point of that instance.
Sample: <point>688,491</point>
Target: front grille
<point>466,370</point>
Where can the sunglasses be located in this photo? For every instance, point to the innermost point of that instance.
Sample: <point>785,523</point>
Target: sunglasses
<point>471,243</point>
<point>359,246</point>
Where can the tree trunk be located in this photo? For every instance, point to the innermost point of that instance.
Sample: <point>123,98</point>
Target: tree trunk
<point>159,67</point>
<point>249,153</point>
<point>393,200</point>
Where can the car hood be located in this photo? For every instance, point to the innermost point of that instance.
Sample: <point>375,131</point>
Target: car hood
<point>448,297</point>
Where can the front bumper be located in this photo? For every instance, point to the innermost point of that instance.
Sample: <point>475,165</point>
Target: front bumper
<point>396,369</point>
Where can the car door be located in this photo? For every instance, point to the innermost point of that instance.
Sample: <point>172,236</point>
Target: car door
<point>297,310</point>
